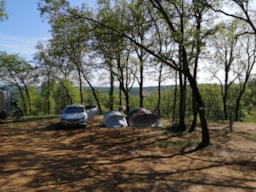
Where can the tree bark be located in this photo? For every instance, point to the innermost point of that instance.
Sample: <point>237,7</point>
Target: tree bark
<point>205,137</point>
<point>182,85</point>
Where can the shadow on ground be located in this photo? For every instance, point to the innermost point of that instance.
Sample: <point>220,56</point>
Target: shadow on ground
<point>42,156</point>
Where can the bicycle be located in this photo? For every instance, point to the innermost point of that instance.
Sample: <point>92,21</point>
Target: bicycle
<point>18,114</point>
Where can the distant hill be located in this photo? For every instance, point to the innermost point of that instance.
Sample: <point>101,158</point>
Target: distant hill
<point>135,90</point>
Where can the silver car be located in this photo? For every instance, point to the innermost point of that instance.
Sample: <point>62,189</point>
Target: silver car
<point>91,110</point>
<point>74,115</point>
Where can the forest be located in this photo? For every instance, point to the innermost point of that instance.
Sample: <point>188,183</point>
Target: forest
<point>120,44</point>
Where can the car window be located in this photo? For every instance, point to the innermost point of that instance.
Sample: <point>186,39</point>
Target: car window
<point>88,107</point>
<point>74,110</point>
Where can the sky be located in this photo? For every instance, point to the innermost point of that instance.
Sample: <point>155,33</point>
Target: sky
<point>24,27</point>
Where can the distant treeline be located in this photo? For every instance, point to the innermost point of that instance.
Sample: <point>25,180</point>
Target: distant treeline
<point>44,103</point>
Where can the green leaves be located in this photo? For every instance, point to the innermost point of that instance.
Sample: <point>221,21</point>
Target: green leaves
<point>3,14</point>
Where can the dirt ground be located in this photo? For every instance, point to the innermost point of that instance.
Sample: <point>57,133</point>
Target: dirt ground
<point>37,155</point>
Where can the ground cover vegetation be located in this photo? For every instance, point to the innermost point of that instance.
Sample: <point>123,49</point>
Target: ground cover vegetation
<point>120,43</point>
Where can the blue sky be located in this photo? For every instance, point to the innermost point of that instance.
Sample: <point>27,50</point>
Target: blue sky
<point>24,27</point>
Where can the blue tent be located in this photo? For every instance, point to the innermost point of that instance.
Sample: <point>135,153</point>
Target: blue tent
<point>114,119</point>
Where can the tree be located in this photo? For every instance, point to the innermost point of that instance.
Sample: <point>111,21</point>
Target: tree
<point>243,11</point>
<point>3,14</point>
<point>176,24</point>
<point>15,71</point>
<point>69,42</point>
<point>177,29</point>
<point>247,60</point>
<point>139,29</point>
<point>114,50</point>
<point>223,61</point>
<point>48,72</point>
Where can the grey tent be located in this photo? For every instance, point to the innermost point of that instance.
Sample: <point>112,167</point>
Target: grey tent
<point>141,117</point>
<point>114,119</point>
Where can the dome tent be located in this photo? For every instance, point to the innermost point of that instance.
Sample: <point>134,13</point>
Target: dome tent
<point>141,117</point>
<point>114,119</point>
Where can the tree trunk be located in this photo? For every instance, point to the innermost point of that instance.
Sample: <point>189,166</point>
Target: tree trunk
<point>159,90</point>
<point>224,99</point>
<point>182,125</point>
<point>48,96</point>
<point>95,97</point>
<point>94,93</point>
<point>127,109</point>
<point>205,137</point>
<point>195,112</point>
<point>141,84</point>
<point>28,97</point>
<point>120,95</point>
<point>111,91</point>
<point>238,100</point>
<point>175,99</point>
<point>23,98</point>
<point>80,87</point>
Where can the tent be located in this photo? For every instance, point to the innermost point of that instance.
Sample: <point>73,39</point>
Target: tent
<point>114,119</point>
<point>141,117</point>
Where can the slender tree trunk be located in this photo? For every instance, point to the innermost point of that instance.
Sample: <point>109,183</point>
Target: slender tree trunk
<point>95,97</point>
<point>159,90</point>
<point>127,101</point>
<point>141,84</point>
<point>195,112</point>
<point>120,95</point>
<point>205,137</point>
<point>198,16</point>
<point>28,97</point>
<point>224,99</point>
<point>80,87</point>
<point>23,98</point>
<point>182,103</point>
<point>69,98</point>
<point>141,81</point>
<point>238,99</point>
<point>48,96</point>
<point>94,93</point>
<point>126,94</point>
<point>111,91</point>
<point>175,99</point>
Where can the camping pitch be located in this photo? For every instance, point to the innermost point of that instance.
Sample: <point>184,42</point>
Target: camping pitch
<point>114,119</point>
<point>141,117</point>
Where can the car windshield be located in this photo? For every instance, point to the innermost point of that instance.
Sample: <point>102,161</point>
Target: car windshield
<point>87,107</point>
<point>74,110</point>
